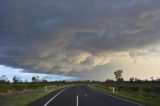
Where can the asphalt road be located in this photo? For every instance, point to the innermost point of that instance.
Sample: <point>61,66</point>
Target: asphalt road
<point>81,96</point>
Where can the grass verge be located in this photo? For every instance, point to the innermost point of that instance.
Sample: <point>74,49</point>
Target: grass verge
<point>142,98</point>
<point>25,98</point>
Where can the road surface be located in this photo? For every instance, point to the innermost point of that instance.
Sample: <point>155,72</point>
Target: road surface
<point>81,96</point>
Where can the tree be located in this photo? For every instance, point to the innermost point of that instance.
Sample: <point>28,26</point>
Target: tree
<point>15,79</point>
<point>158,79</point>
<point>131,79</point>
<point>3,79</point>
<point>137,80</point>
<point>35,79</point>
<point>109,80</point>
<point>152,79</point>
<point>118,75</point>
<point>38,79</point>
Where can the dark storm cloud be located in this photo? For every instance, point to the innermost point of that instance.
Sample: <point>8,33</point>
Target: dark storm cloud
<point>64,37</point>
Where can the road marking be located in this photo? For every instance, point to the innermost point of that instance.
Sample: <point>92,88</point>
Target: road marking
<point>126,100</point>
<point>54,97</point>
<point>77,100</point>
<point>85,95</point>
<point>122,99</point>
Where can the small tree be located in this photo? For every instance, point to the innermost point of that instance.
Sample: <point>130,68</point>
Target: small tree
<point>38,79</point>
<point>152,79</point>
<point>109,80</point>
<point>34,79</point>
<point>3,79</point>
<point>118,75</point>
<point>158,79</point>
<point>137,80</point>
<point>15,79</point>
<point>131,79</point>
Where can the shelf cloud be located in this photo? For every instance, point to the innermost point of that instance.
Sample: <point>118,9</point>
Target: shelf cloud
<point>76,38</point>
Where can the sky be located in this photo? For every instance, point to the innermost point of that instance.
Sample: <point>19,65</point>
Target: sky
<point>10,72</point>
<point>80,39</point>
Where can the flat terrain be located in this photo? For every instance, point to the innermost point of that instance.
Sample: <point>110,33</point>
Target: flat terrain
<point>24,97</point>
<point>81,96</point>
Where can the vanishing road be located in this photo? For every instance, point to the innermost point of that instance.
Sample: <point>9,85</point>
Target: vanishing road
<point>81,96</point>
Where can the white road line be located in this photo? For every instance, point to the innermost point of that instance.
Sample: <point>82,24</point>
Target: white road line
<point>54,97</point>
<point>123,99</point>
<point>85,95</point>
<point>77,100</point>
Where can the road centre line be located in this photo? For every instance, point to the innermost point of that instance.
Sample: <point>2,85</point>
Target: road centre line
<point>77,100</point>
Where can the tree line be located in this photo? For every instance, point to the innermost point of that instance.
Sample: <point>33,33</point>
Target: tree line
<point>118,76</point>
<point>16,79</point>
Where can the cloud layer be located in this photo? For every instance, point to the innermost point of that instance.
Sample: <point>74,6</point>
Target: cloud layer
<point>76,38</point>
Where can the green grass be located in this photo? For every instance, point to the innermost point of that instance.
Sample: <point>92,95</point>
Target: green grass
<point>143,98</point>
<point>20,86</point>
<point>23,99</point>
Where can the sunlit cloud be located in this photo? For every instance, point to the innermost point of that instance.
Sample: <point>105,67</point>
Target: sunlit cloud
<point>87,38</point>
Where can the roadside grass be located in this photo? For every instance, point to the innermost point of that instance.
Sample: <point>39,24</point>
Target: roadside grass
<point>25,98</point>
<point>20,86</point>
<point>143,97</point>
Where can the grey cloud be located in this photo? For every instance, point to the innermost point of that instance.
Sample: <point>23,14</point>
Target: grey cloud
<point>67,37</point>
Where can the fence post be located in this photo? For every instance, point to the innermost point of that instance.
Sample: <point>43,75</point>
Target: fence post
<point>113,89</point>
<point>45,88</point>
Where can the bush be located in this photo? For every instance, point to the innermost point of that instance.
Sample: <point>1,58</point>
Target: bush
<point>5,88</point>
<point>134,89</point>
<point>20,86</point>
<point>147,89</point>
<point>157,89</point>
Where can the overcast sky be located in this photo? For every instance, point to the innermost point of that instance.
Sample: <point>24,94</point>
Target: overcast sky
<point>87,39</point>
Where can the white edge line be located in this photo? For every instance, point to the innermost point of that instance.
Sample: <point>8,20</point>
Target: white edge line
<point>122,99</point>
<point>54,97</point>
<point>126,100</point>
<point>119,98</point>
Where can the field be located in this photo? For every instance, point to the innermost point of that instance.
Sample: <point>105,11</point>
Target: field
<point>24,94</point>
<point>145,93</point>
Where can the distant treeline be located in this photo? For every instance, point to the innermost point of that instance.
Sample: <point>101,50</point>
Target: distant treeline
<point>36,79</point>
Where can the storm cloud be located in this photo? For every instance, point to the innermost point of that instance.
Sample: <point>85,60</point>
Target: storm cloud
<point>76,37</point>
